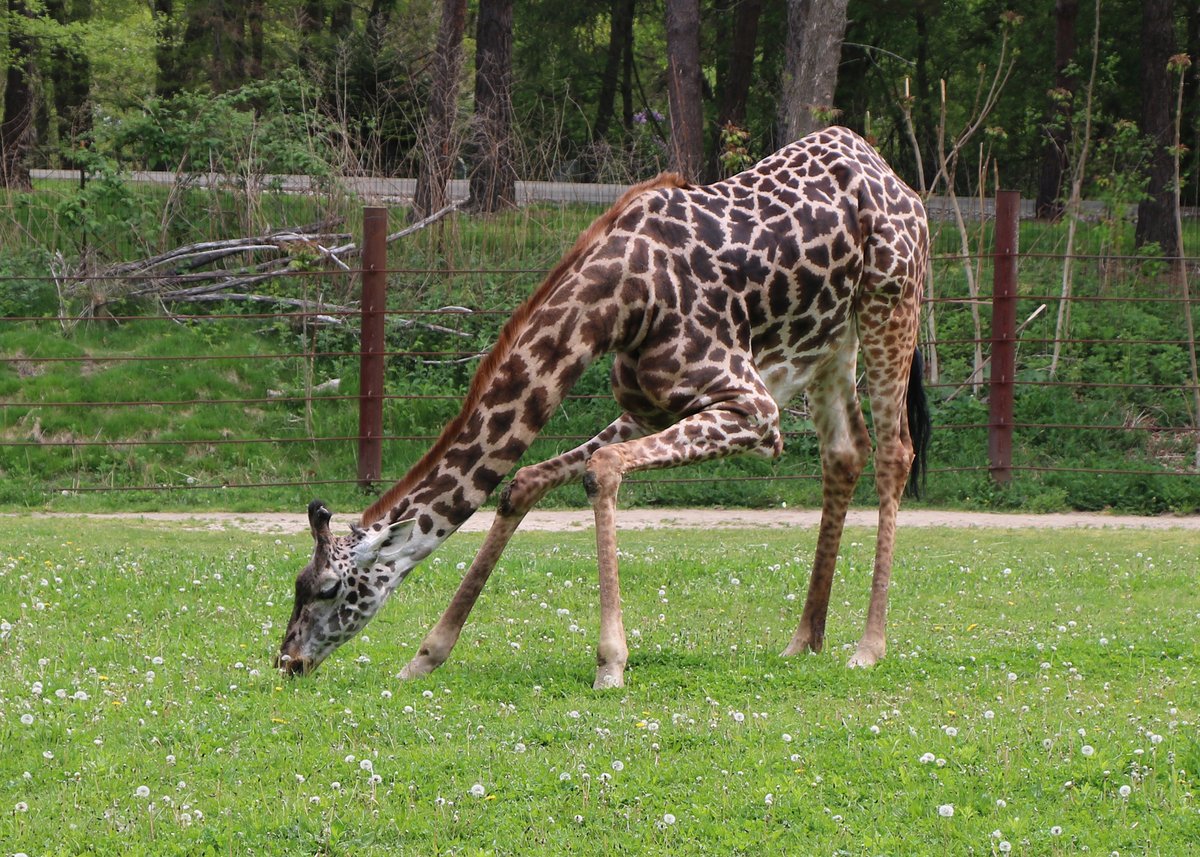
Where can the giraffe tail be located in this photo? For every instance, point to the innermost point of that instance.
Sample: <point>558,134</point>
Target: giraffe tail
<point>920,425</point>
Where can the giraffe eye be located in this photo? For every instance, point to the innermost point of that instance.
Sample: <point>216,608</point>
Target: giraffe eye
<point>330,589</point>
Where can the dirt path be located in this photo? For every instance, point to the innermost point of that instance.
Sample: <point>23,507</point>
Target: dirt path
<point>642,519</point>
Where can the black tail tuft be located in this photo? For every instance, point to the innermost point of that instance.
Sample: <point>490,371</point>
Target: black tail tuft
<point>920,425</point>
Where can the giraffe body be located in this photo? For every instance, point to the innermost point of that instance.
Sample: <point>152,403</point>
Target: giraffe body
<point>720,304</point>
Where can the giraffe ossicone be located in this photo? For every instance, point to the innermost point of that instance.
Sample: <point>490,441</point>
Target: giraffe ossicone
<point>719,304</point>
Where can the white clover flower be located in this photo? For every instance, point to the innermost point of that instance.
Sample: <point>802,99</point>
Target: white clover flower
<point>946,810</point>
<point>478,790</point>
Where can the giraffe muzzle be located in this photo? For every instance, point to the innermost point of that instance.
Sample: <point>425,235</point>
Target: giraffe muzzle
<point>293,666</point>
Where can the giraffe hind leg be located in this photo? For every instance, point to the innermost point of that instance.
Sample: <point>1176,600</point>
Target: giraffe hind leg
<point>845,447</point>
<point>888,349</point>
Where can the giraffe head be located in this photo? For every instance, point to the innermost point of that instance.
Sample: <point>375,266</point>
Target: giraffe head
<point>342,587</point>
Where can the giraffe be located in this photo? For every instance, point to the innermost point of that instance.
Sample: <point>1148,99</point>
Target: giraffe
<point>719,304</point>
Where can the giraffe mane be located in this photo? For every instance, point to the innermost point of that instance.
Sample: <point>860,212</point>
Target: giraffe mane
<point>513,328</point>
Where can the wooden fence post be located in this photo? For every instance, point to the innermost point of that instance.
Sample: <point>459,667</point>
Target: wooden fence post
<point>1004,336</point>
<point>372,346</point>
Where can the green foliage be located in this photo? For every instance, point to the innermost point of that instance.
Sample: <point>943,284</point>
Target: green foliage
<point>1039,683</point>
<point>262,128</point>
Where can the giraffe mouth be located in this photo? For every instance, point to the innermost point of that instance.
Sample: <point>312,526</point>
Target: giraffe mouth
<point>294,666</point>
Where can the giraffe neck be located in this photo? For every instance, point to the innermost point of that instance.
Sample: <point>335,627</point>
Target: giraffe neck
<point>514,394</point>
<point>579,312</point>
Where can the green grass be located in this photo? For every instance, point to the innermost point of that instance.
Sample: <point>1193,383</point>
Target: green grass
<point>137,656</point>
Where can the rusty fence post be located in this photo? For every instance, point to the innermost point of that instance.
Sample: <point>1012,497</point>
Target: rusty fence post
<point>371,346</point>
<point>1004,336</point>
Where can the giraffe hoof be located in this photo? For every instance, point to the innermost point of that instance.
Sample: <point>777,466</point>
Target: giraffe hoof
<point>608,678</point>
<point>417,667</point>
<point>865,656</point>
<point>800,644</point>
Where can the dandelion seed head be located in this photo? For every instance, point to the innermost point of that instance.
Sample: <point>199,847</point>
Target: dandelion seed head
<point>946,810</point>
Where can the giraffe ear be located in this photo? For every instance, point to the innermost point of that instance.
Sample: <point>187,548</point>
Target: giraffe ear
<point>383,546</point>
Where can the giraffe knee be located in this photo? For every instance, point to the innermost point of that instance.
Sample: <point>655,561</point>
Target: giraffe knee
<point>603,476</point>
<point>521,493</point>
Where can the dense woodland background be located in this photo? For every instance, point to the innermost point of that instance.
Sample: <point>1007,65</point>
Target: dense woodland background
<point>172,297</point>
<point>957,93</point>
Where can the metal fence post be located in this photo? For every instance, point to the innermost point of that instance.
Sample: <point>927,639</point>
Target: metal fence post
<point>371,345</point>
<point>1004,336</point>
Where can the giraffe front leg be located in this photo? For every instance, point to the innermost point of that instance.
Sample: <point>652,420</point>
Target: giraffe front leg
<point>744,423</point>
<point>440,640</point>
<point>602,481</point>
<point>528,486</point>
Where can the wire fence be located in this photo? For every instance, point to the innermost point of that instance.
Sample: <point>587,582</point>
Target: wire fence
<point>1121,371</point>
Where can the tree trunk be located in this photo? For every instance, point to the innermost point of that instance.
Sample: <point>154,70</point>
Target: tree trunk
<point>620,49</point>
<point>168,79</point>
<point>735,84</point>
<point>684,87</point>
<point>493,173</point>
<point>71,73</point>
<point>1156,215</point>
<point>440,145</point>
<point>255,13</point>
<point>16,126</point>
<point>1058,129</point>
<point>814,49</point>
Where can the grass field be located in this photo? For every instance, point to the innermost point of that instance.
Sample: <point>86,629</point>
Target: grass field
<point>1040,697</point>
